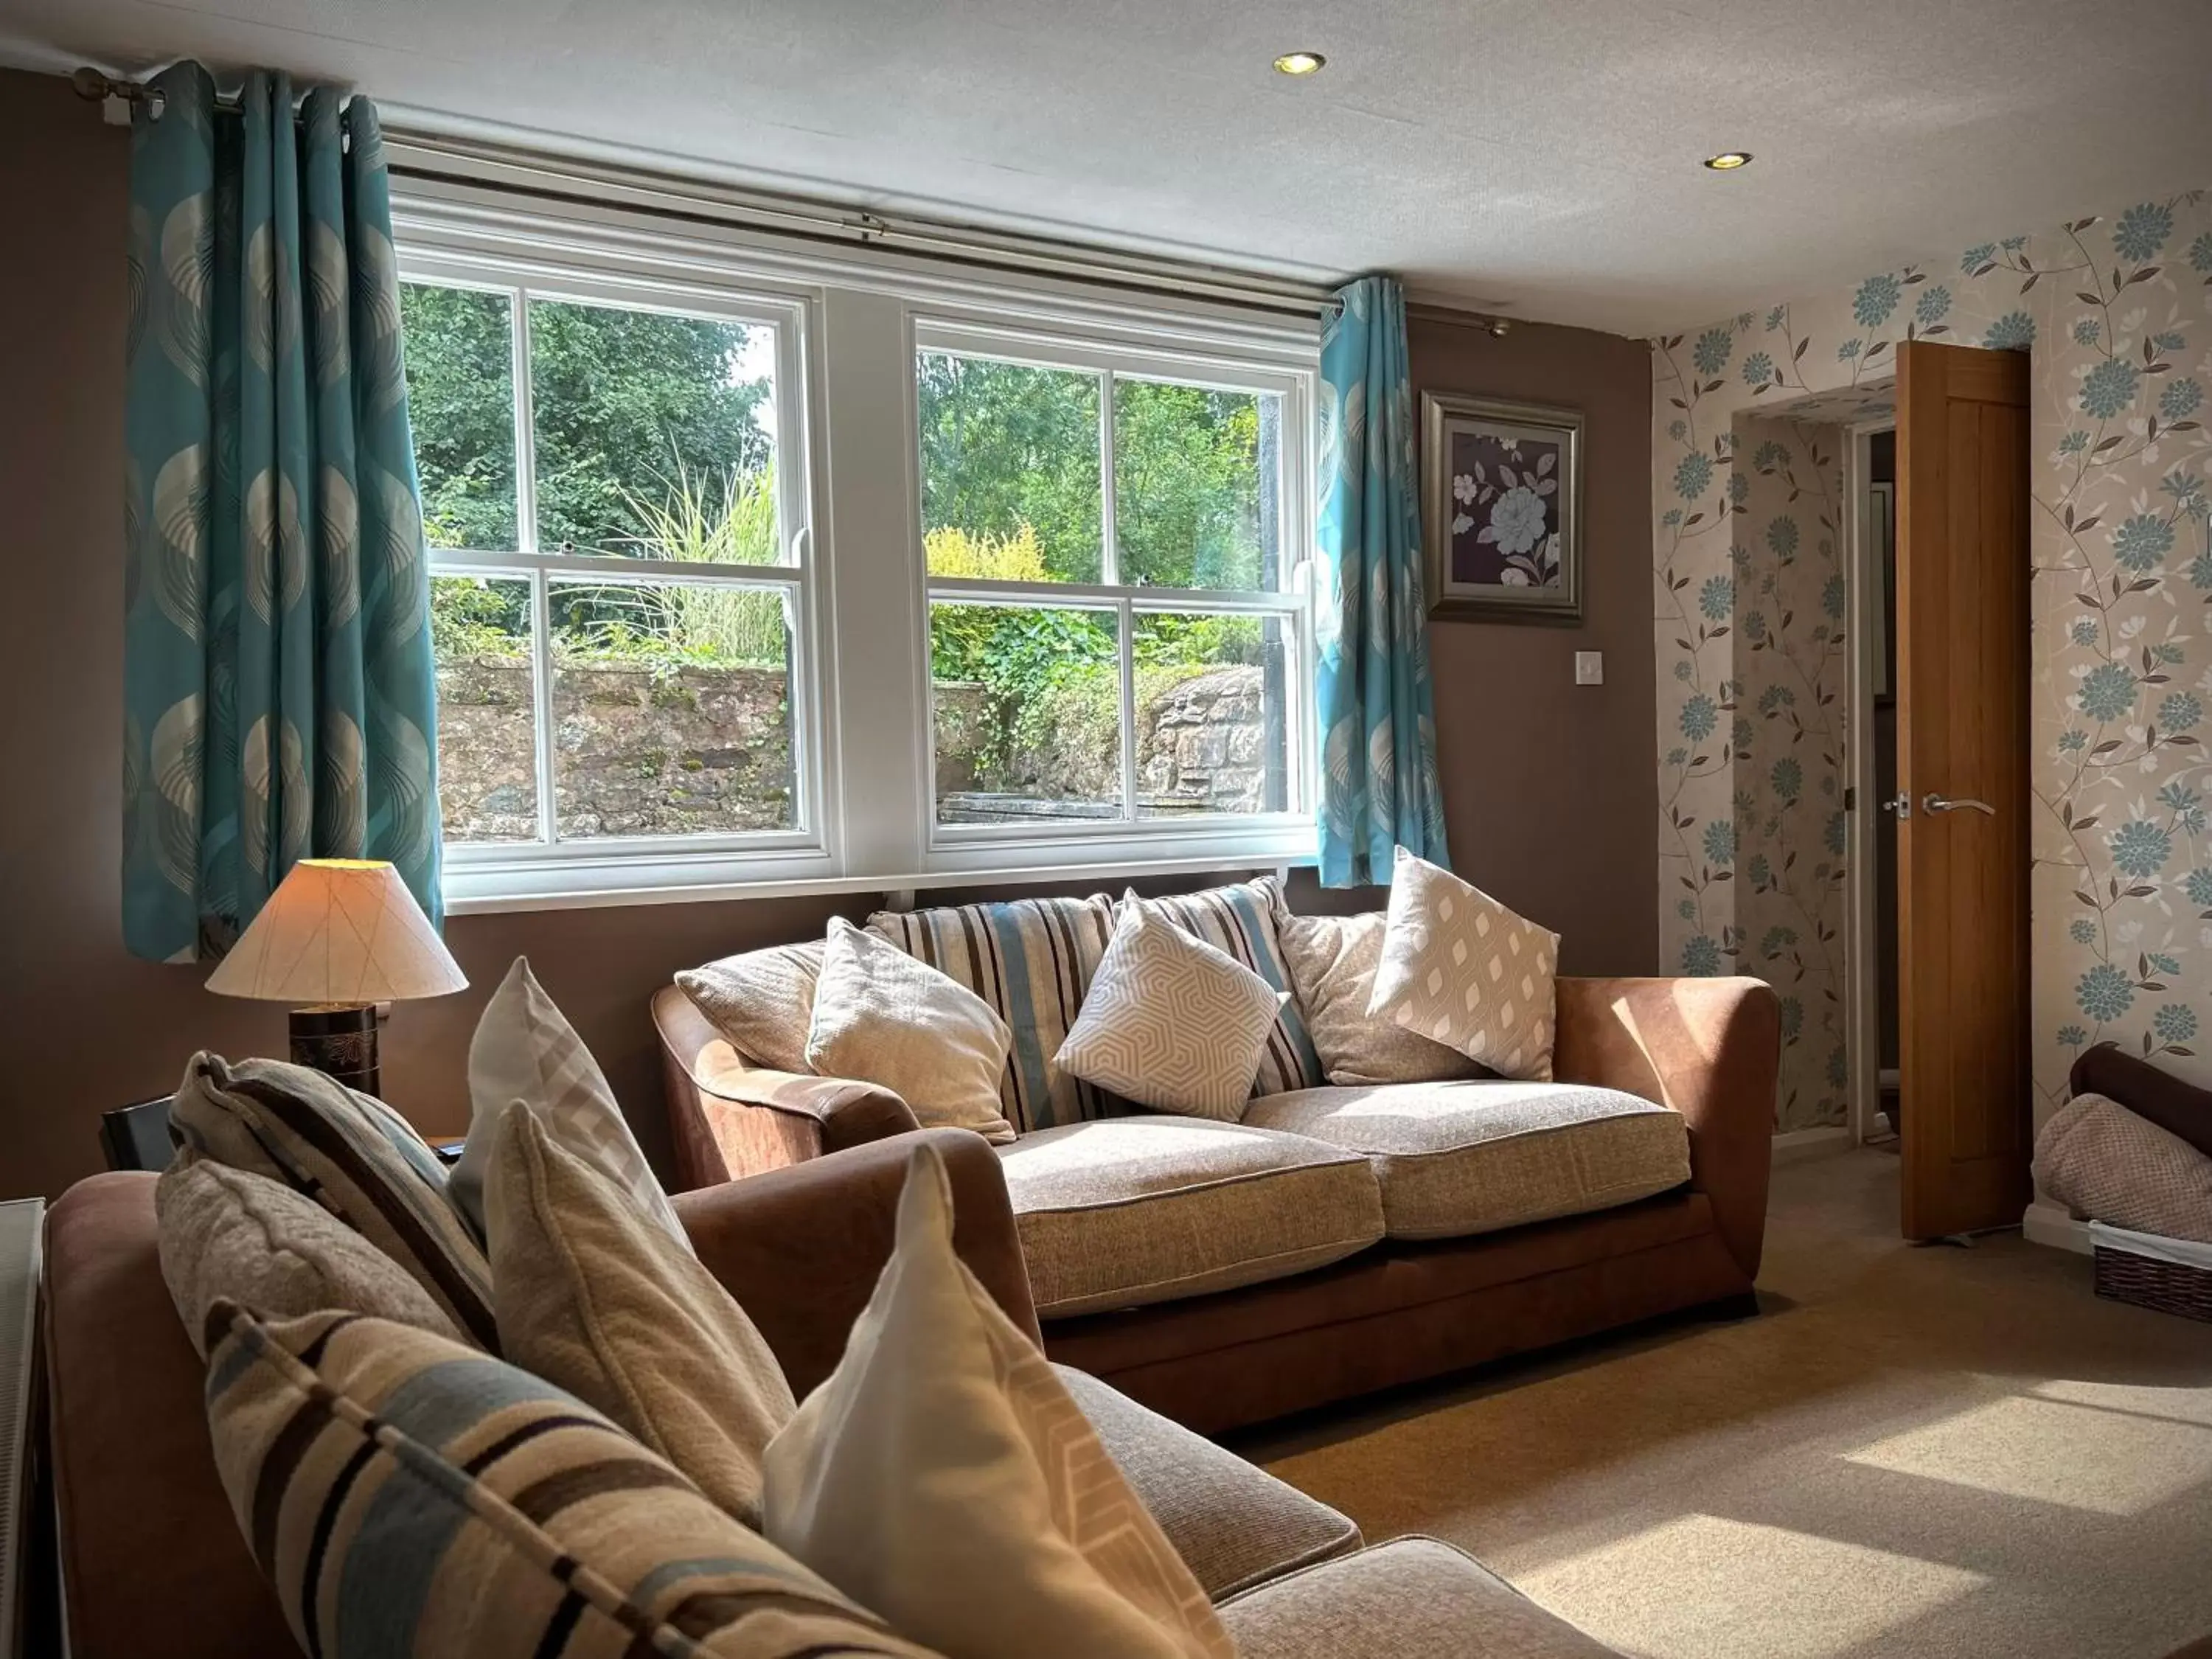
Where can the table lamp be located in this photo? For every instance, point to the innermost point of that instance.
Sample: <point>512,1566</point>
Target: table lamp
<point>338,937</point>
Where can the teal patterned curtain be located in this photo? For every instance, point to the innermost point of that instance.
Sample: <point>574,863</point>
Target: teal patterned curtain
<point>1379,787</point>
<point>279,692</point>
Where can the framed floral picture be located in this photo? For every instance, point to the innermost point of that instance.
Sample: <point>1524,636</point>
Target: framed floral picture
<point>1502,509</point>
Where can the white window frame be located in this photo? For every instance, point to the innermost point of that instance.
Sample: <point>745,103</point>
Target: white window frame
<point>551,867</point>
<point>1270,837</point>
<point>847,318</point>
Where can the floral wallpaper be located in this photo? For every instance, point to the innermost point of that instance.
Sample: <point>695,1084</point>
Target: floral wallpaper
<point>2116,309</point>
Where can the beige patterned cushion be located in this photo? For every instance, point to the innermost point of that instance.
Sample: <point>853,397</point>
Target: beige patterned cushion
<point>943,1477</point>
<point>524,1049</point>
<point>1242,920</point>
<point>1461,969</point>
<point>2105,1163</point>
<point>886,1017</point>
<point>1171,1022</point>
<point>1143,1209</point>
<point>231,1236</point>
<point>1333,961</point>
<point>1457,1159</point>
<point>761,1000</point>
<point>594,1299</point>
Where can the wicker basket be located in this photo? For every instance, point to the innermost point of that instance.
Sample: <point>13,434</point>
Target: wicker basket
<point>2165,1286</point>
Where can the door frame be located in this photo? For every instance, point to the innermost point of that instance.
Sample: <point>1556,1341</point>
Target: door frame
<point>1861,925</point>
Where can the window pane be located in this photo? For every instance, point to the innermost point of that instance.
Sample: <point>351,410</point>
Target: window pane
<point>1009,469</point>
<point>654,434</point>
<point>671,710</point>
<point>460,400</point>
<point>487,709</point>
<point>1027,705</point>
<point>1195,485</point>
<point>1211,726</point>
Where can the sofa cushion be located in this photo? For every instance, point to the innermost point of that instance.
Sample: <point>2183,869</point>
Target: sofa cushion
<point>1133,1210</point>
<point>761,1000</point>
<point>1333,961</point>
<point>1412,1598</point>
<point>1234,1524</point>
<point>1171,1023</point>
<point>1461,969</point>
<point>404,1494</point>
<point>1031,959</point>
<point>1456,1158</point>
<point>1241,920</point>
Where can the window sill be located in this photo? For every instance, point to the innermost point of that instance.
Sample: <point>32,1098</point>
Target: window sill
<point>493,891</point>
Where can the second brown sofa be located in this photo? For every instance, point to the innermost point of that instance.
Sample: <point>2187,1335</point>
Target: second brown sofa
<point>1398,1311</point>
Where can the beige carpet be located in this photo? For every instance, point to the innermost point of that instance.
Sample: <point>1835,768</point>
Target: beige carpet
<point>1940,1451</point>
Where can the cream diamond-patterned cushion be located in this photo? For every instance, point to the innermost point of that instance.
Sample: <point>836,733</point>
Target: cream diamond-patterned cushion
<point>1171,1022</point>
<point>945,1478</point>
<point>524,1049</point>
<point>1460,969</point>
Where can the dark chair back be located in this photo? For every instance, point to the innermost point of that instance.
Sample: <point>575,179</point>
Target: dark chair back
<point>137,1136</point>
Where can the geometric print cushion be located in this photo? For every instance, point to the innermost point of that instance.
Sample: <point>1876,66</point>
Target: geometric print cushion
<point>350,1153</point>
<point>1171,1022</point>
<point>524,1049</point>
<point>1031,960</point>
<point>944,1476</point>
<point>410,1499</point>
<point>1461,969</point>
<point>1240,920</point>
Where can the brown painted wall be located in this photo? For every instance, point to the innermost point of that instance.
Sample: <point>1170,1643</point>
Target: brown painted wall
<point>1543,780</point>
<point>1549,787</point>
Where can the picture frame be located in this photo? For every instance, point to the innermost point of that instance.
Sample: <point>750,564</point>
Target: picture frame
<point>1501,509</point>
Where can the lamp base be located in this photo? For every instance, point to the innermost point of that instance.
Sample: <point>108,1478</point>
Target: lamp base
<point>340,1041</point>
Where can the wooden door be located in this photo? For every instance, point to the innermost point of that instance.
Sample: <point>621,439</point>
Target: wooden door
<point>1962,629</point>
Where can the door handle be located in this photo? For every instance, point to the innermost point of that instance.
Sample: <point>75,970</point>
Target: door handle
<point>1934,803</point>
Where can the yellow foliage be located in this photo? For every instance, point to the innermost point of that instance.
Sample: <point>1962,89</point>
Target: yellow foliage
<point>1015,558</point>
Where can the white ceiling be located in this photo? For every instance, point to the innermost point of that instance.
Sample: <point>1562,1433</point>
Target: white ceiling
<point>1539,156</point>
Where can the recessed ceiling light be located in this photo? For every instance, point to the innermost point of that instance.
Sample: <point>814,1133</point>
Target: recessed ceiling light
<point>1728,161</point>
<point>1300,63</point>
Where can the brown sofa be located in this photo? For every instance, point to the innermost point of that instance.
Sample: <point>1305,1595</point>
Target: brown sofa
<point>1398,1310</point>
<point>153,1563</point>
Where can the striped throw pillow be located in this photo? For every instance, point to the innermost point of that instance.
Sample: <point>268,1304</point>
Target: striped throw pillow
<point>353,1156</point>
<point>408,1498</point>
<point>1241,921</point>
<point>1031,960</point>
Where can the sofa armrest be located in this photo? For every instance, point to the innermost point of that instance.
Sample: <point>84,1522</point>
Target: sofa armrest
<point>728,1118</point>
<point>1710,1049</point>
<point>801,1248</point>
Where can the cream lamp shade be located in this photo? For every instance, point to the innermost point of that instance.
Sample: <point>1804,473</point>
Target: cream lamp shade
<point>339,932</point>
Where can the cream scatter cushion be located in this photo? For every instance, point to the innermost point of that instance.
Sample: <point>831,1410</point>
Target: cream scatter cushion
<point>761,1000</point>
<point>524,1049</point>
<point>886,1017</point>
<point>1333,961</point>
<point>594,1299</point>
<point>943,1478</point>
<point>230,1236</point>
<point>1171,1021</point>
<point>2105,1163</point>
<point>1460,969</point>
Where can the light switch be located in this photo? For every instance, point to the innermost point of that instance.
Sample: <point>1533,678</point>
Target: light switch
<point>1589,668</point>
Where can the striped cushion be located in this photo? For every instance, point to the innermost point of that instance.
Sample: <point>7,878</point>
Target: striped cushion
<point>353,1155</point>
<point>1241,920</point>
<point>410,1499</point>
<point>1031,959</point>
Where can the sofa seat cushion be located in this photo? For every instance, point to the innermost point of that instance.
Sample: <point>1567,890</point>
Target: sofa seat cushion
<point>1133,1210</point>
<point>1234,1524</point>
<point>1412,1598</point>
<point>1457,1159</point>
